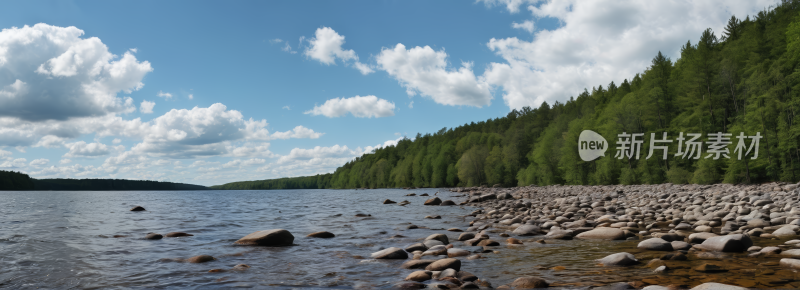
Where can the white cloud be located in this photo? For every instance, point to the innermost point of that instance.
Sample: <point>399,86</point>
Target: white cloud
<point>411,105</point>
<point>397,134</point>
<point>599,42</point>
<point>421,70</point>
<point>39,162</point>
<point>326,47</point>
<point>4,153</point>
<point>298,132</point>
<point>116,141</point>
<point>511,5</point>
<point>287,108</point>
<point>65,161</point>
<point>276,40</point>
<point>358,106</point>
<point>527,25</point>
<point>83,149</point>
<point>164,95</point>
<point>50,141</point>
<point>51,73</point>
<point>147,107</point>
<point>243,163</point>
<point>14,163</point>
<point>191,96</point>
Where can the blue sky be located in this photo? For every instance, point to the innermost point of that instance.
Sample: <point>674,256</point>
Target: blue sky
<point>207,92</point>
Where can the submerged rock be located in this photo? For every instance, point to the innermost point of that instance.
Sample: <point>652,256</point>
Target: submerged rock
<point>200,259</point>
<point>390,253</point>
<point>442,264</point>
<point>729,243</point>
<point>323,235</point>
<point>433,201</point>
<point>619,259</point>
<point>655,244</point>
<point>177,234</point>
<point>529,283</point>
<point>137,208</point>
<point>269,238</point>
<point>419,276</point>
<point>153,236</point>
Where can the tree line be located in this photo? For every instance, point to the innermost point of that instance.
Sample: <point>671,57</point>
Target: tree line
<point>745,79</point>
<point>10,180</point>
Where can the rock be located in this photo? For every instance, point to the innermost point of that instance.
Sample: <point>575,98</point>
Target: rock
<point>655,244</point>
<point>466,276</point>
<point>424,194</point>
<point>416,247</point>
<point>709,268</point>
<point>363,215</point>
<point>526,230</point>
<point>388,201</point>
<point>435,251</point>
<point>754,249</point>
<point>698,238</point>
<point>758,223</point>
<point>790,263</point>
<point>770,250</point>
<point>241,267</point>
<point>390,253</point>
<point>466,236</point>
<point>447,273</point>
<point>416,264</point>
<point>411,227</point>
<point>794,253</point>
<point>669,237</point>
<point>436,217</point>
<point>729,243</point>
<point>448,202</point>
<point>786,231</point>
<point>656,287</point>
<point>432,243</point>
<point>419,276</point>
<point>681,246</point>
<point>268,238</point>
<point>442,264</point>
<point>717,286</point>
<point>615,286</point>
<point>513,241</point>
<point>323,235</point>
<point>453,252</point>
<point>470,285</point>
<point>200,259</point>
<point>439,237</point>
<point>660,270</point>
<point>488,243</point>
<point>153,236</point>
<point>529,283</point>
<point>177,234</point>
<point>618,259</point>
<point>433,201</point>
<point>138,208</point>
<point>559,234</point>
<point>603,234</point>
<point>409,285</point>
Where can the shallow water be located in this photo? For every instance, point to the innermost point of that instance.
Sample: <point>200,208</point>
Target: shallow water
<point>66,240</point>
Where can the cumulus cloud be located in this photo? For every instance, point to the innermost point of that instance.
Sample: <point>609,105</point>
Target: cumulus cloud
<point>421,70</point>
<point>243,163</point>
<point>598,42</point>
<point>527,25</point>
<point>358,106</point>
<point>298,132</point>
<point>326,47</point>
<point>287,108</point>
<point>83,149</point>
<point>411,105</point>
<point>147,107</point>
<point>51,73</point>
<point>511,5</point>
<point>191,96</point>
<point>65,161</point>
<point>39,162</point>
<point>164,95</point>
<point>14,163</point>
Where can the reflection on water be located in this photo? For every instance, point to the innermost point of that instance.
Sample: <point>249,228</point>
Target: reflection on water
<point>91,240</point>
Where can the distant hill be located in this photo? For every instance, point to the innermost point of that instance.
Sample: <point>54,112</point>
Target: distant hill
<point>10,180</point>
<point>318,181</point>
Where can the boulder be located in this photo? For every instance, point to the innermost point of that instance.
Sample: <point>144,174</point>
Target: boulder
<point>435,251</point>
<point>619,259</point>
<point>529,283</point>
<point>390,253</point>
<point>790,263</point>
<point>200,259</point>
<point>433,201</point>
<point>323,235</point>
<point>559,234</point>
<point>448,202</point>
<point>786,231</point>
<point>137,208</point>
<point>416,247</point>
<point>416,264</point>
<point>454,252</point>
<point>681,246</point>
<point>729,243</point>
<point>153,236</point>
<point>442,264</point>
<point>419,276</point>
<point>269,238</point>
<point>466,276</point>
<point>655,244</point>
<point>432,243</point>
<point>698,238</point>
<point>388,201</point>
<point>513,241</point>
<point>615,286</point>
<point>466,236</point>
<point>603,234</point>
<point>177,234</point>
<point>717,286</point>
<point>488,243</point>
<point>526,230</point>
<point>794,253</point>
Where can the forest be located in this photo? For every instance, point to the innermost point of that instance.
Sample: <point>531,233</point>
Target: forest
<point>10,180</point>
<point>744,80</point>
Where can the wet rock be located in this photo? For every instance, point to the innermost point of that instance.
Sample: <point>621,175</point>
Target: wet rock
<point>411,227</point>
<point>444,264</point>
<point>447,202</point>
<point>433,201</point>
<point>466,236</point>
<point>390,253</point>
<point>709,268</point>
<point>770,250</point>
<point>790,263</point>
<point>432,243</point>
<point>439,237</point>
<point>436,217</point>
<point>513,241</point>
<point>200,259</point>
<point>419,276</point>
<point>729,243</point>
<point>717,286</point>
<point>603,234</point>
<point>655,244</point>
<point>388,201</point>
<point>454,252</point>
<point>681,246</point>
<point>241,267</point>
<point>660,270</point>
<point>470,285</point>
<point>787,231</point>
<point>615,286</point>
<point>466,276</point>
<point>137,208</point>
<point>559,234</point>
<point>447,273</point>
<point>669,237</point>
<point>526,230</point>
<point>795,253</point>
<point>488,243</point>
<point>435,251</point>
<point>177,234</point>
<point>416,264</point>
<point>269,238</point>
<point>416,247</point>
<point>529,283</point>
<point>619,259</point>
<point>698,238</point>
<point>363,215</point>
<point>323,235</point>
<point>153,236</point>
<point>409,285</point>
<point>424,194</point>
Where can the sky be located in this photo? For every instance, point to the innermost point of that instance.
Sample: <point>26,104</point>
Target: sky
<point>210,92</point>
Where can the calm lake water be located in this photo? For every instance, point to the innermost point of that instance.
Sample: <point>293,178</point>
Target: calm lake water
<point>58,240</point>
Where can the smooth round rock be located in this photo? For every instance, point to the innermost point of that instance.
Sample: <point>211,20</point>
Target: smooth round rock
<point>529,283</point>
<point>390,253</point>
<point>153,236</point>
<point>268,238</point>
<point>200,259</point>
<point>619,259</point>
<point>419,276</point>
<point>177,234</point>
<point>444,264</point>
<point>603,234</point>
<point>322,235</point>
<point>137,208</point>
<point>655,244</point>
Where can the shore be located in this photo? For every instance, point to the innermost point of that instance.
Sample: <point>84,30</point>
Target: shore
<point>682,236</point>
